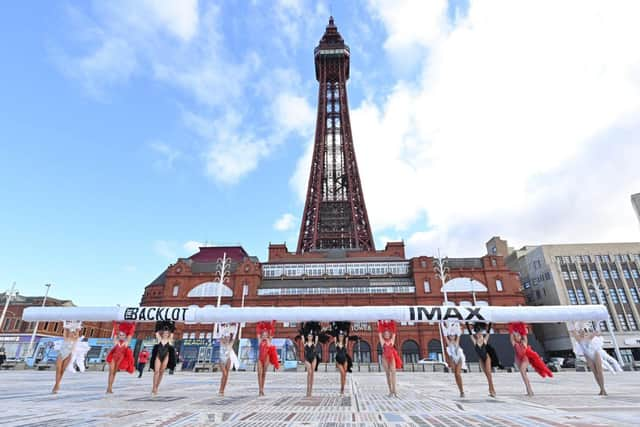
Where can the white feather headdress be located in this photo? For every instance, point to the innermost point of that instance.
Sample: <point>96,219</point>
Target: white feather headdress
<point>72,325</point>
<point>451,327</point>
<point>227,329</point>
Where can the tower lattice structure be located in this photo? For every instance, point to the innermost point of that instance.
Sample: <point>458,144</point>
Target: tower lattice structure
<point>335,215</point>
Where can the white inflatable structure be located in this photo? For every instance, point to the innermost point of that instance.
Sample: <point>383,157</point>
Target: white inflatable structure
<point>416,313</point>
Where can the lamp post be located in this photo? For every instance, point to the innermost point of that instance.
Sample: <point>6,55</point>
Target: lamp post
<point>223,269</point>
<point>35,328</point>
<point>597,289</point>
<point>245,291</point>
<point>442,271</point>
<point>9,295</point>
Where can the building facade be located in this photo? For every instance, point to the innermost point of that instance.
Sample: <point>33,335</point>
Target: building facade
<point>576,274</point>
<point>335,262</point>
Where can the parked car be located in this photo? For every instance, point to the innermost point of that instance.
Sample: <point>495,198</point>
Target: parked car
<point>554,363</point>
<point>569,362</point>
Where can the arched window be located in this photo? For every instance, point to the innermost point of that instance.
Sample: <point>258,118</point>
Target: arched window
<point>176,289</point>
<point>332,352</point>
<point>362,352</point>
<point>210,289</point>
<point>435,350</point>
<point>410,351</point>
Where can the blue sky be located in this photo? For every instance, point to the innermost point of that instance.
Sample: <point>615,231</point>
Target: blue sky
<point>130,132</point>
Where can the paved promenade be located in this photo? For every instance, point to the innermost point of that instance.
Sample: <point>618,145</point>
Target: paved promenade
<point>425,399</point>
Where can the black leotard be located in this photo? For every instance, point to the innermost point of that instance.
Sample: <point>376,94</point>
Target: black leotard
<point>310,353</point>
<point>341,355</point>
<point>161,352</point>
<point>481,351</point>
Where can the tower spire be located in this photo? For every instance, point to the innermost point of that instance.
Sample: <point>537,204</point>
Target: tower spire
<point>334,215</point>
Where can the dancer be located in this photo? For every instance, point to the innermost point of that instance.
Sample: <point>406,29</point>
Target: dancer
<point>525,355</point>
<point>227,334</point>
<point>390,358</point>
<point>120,358</point>
<point>457,360</point>
<point>163,355</point>
<point>340,331</point>
<point>486,353</point>
<point>267,353</point>
<point>71,351</point>
<point>584,335</point>
<point>3,356</point>
<point>310,332</point>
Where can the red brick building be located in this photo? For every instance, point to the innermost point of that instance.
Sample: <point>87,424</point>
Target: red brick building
<point>13,323</point>
<point>330,278</point>
<point>335,263</point>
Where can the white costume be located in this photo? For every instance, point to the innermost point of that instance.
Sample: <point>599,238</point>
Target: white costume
<point>77,349</point>
<point>230,332</point>
<point>588,346</point>
<point>452,328</point>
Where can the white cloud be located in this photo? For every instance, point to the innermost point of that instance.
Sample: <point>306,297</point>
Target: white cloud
<point>192,246</point>
<point>180,18</point>
<point>504,130</point>
<point>293,113</point>
<point>285,222</point>
<point>167,155</point>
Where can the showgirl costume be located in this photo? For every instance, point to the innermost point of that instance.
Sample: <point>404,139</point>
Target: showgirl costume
<point>389,351</point>
<point>266,350</point>
<point>311,351</point>
<point>77,348</point>
<point>342,355</point>
<point>162,351</point>
<point>525,352</point>
<point>485,349</point>
<point>227,331</point>
<point>121,354</point>
<point>452,328</point>
<point>588,345</point>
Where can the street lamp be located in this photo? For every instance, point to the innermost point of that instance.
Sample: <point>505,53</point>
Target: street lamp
<point>35,329</point>
<point>10,294</point>
<point>442,271</point>
<point>597,289</point>
<point>224,264</point>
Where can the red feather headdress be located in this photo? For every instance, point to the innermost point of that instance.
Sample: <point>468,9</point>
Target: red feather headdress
<point>518,327</point>
<point>386,325</point>
<point>126,327</point>
<point>269,327</point>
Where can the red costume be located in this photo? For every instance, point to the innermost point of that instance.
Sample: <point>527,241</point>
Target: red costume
<point>526,352</point>
<point>121,354</point>
<point>266,350</point>
<point>389,351</point>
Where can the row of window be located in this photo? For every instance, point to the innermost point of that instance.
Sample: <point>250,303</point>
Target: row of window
<point>339,291</point>
<point>627,322</point>
<point>617,296</point>
<point>336,269</point>
<point>17,324</point>
<point>606,274</point>
<point>584,259</point>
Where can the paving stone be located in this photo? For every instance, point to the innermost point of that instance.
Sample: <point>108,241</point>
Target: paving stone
<point>425,399</point>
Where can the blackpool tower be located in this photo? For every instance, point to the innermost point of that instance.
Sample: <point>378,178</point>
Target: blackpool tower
<point>334,215</point>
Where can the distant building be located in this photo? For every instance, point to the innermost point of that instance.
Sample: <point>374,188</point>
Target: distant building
<point>15,334</point>
<point>569,274</point>
<point>635,201</point>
